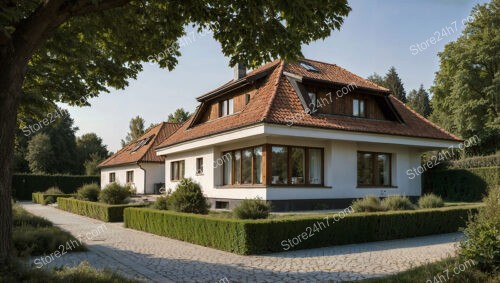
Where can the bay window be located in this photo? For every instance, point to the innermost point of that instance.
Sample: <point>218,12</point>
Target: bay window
<point>374,169</point>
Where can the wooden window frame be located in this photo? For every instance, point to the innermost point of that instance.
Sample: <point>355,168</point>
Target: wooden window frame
<point>114,177</point>
<point>289,168</point>
<point>130,180</point>
<point>226,103</point>
<point>360,101</point>
<point>374,170</point>
<point>198,167</point>
<point>233,159</point>
<point>178,170</point>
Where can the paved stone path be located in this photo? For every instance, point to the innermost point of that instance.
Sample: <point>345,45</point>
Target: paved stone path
<point>152,258</point>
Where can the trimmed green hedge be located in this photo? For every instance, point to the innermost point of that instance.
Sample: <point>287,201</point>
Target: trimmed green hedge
<point>23,185</point>
<point>264,236</point>
<point>461,184</point>
<point>97,210</point>
<point>40,197</point>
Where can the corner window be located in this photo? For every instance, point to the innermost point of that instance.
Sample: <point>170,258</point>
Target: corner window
<point>112,177</point>
<point>244,166</point>
<point>358,108</point>
<point>199,166</point>
<point>374,169</point>
<point>226,107</point>
<point>130,176</point>
<point>177,170</point>
<point>291,165</point>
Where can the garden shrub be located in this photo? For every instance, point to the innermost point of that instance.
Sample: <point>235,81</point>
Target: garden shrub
<point>189,198</point>
<point>430,201</point>
<point>49,200</point>
<point>97,210</point>
<point>367,204</point>
<point>482,243</point>
<point>23,185</point>
<point>88,192</point>
<point>273,235</point>
<point>53,191</point>
<point>40,198</point>
<point>393,203</point>
<point>161,203</point>
<point>114,194</point>
<point>252,209</point>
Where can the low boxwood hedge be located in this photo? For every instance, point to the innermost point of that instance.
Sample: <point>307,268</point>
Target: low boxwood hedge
<point>272,235</point>
<point>97,210</point>
<point>40,197</point>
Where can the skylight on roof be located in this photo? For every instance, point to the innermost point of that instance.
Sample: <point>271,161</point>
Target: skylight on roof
<point>141,143</point>
<point>308,67</point>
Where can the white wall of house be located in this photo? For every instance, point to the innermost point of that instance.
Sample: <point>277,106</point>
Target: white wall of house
<point>340,169</point>
<point>155,173</point>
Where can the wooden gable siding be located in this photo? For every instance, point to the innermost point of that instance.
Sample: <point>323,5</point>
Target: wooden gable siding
<point>211,111</point>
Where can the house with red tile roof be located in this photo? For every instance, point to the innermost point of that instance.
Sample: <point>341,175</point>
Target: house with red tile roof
<point>137,164</point>
<point>302,135</point>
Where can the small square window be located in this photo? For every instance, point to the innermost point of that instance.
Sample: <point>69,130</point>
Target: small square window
<point>199,166</point>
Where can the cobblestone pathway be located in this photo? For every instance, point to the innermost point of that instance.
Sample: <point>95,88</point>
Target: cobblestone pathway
<point>158,259</point>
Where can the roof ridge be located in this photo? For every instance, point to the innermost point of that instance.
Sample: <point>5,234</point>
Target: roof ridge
<point>423,118</point>
<point>275,90</point>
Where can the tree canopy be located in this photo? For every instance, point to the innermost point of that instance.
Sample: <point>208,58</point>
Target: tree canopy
<point>392,81</point>
<point>418,100</point>
<point>467,85</point>
<point>179,116</point>
<point>136,130</point>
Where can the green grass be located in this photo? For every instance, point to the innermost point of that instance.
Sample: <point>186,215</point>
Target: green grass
<point>33,235</point>
<point>440,271</point>
<point>84,273</point>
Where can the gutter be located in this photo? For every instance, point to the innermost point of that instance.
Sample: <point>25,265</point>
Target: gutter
<point>139,164</point>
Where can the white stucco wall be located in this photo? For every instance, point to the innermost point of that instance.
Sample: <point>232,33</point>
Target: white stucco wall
<point>340,166</point>
<point>155,173</point>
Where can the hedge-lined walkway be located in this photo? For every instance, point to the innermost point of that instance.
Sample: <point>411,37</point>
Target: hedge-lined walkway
<point>159,259</point>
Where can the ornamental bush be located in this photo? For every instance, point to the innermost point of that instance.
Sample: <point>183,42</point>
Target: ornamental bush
<point>53,191</point>
<point>430,201</point>
<point>396,203</point>
<point>161,203</point>
<point>189,198</point>
<point>114,194</point>
<point>88,192</point>
<point>252,209</point>
<point>367,204</point>
<point>481,242</point>
<point>49,200</point>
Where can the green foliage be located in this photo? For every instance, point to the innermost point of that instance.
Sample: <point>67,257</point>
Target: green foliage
<point>114,194</point>
<point>49,200</point>
<point>161,203</point>
<point>33,235</point>
<point>252,209</point>
<point>41,198</point>
<point>392,81</point>
<point>97,210</point>
<point>367,204</point>
<point>419,101</point>
<point>136,130</point>
<point>393,203</point>
<point>91,151</point>
<point>91,165</point>
<point>179,116</point>
<point>461,184</point>
<point>20,272</point>
<point>88,192</point>
<point>25,184</point>
<point>430,201</point>
<point>188,197</point>
<point>475,162</point>
<point>53,191</point>
<point>271,235</point>
<point>482,243</point>
<point>466,86</point>
<point>40,155</point>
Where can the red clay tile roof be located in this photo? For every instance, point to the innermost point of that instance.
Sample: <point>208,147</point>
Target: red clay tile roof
<point>276,101</point>
<point>145,153</point>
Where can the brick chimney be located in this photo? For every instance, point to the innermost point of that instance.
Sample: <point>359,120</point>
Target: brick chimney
<point>239,71</point>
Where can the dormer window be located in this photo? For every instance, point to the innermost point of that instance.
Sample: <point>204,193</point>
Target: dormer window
<point>308,67</point>
<point>141,143</point>
<point>226,107</point>
<point>358,108</point>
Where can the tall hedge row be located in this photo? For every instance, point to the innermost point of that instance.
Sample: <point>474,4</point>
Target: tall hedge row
<point>272,235</point>
<point>461,184</point>
<point>97,210</point>
<point>24,185</point>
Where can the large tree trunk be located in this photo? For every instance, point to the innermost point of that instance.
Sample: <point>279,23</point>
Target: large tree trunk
<point>11,79</point>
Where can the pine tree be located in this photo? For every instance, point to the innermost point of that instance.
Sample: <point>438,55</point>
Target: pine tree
<point>419,101</point>
<point>394,84</point>
<point>136,128</point>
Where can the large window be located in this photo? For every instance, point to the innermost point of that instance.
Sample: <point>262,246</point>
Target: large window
<point>374,169</point>
<point>358,108</point>
<point>291,165</point>
<point>130,176</point>
<point>226,107</point>
<point>244,166</point>
<point>177,169</point>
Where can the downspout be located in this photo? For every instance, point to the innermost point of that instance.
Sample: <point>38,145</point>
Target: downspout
<point>139,164</point>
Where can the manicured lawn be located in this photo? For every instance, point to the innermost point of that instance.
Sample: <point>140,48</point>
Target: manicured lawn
<point>449,270</point>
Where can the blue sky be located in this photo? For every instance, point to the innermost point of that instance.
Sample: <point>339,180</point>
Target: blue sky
<point>377,34</point>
